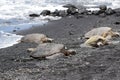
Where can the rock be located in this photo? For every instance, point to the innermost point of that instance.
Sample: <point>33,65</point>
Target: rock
<point>89,13</point>
<point>63,13</point>
<point>45,12</point>
<point>34,15</point>
<point>103,7</point>
<point>102,15</point>
<point>14,30</point>
<point>84,11</point>
<point>72,11</point>
<point>71,33</point>
<point>101,12</point>
<point>117,23</point>
<point>109,11</point>
<point>69,6</point>
<point>117,12</point>
<point>55,13</point>
<point>95,12</point>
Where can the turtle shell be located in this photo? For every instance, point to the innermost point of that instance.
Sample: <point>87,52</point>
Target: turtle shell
<point>37,38</point>
<point>47,49</point>
<point>97,31</point>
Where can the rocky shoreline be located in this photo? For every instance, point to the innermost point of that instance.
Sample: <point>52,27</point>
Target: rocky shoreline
<point>88,64</point>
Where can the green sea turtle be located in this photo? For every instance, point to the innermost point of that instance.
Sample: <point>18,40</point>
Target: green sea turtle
<point>96,41</point>
<point>49,50</point>
<point>105,32</point>
<point>36,38</point>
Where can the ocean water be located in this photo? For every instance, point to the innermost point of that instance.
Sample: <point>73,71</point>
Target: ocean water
<point>14,15</point>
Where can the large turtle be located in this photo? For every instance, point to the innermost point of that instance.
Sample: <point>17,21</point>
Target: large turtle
<point>106,32</point>
<point>48,50</point>
<point>95,41</point>
<point>36,38</point>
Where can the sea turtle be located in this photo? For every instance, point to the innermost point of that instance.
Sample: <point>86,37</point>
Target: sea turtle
<point>95,41</point>
<point>106,32</point>
<point>36,38</point>
<point>48,50</point>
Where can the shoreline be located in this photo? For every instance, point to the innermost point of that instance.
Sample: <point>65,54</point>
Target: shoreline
<point>88,64</point>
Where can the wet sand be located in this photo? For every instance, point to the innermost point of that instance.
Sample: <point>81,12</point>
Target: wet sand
<point>101,63</point>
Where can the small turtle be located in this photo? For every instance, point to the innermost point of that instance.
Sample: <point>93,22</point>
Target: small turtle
<point>106,32</point>
<point>95,41</point>
<point>37,38</point>
<point>48,50</point>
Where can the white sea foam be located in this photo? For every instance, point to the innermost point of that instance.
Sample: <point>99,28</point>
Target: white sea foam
<point>7,39</point>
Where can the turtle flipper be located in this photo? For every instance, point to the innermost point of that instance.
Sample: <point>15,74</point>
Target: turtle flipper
<point>31,49</point>
<point>68,52</point>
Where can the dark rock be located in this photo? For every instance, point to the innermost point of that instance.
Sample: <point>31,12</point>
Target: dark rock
<point>69,6</point>
<point>95,12</point>
<point>63,13</point>
<point>45,12</point>
<point>103,7</point>
<point>71,33</point>
<point>72,11</point>
<point>34,15</point>
<point>14,30</point>
<point>89,12</point>
<point>101,11</point>
<point>55,13</point>
<point>109,11</point>
<point>117,23</point>
<point>117,12</point>
<point>83,11</point>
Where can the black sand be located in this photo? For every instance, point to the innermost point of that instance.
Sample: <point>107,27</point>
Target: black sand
<point>88,64</point>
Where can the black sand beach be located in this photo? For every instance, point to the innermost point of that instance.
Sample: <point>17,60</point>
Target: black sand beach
<point>101,63</point>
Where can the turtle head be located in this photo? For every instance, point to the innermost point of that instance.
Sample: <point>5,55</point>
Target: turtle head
<point>100,44</point>
<point>69,52</point>
<point>50,40</point>
<point>116,34</point>
<point>102,41</point>
<point>72,51</point>
<point>110,34</point>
